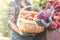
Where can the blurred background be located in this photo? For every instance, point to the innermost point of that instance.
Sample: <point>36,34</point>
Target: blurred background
<point>4,29</point>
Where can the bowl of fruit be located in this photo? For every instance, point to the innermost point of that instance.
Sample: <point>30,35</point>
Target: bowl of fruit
<point>26,21</point>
